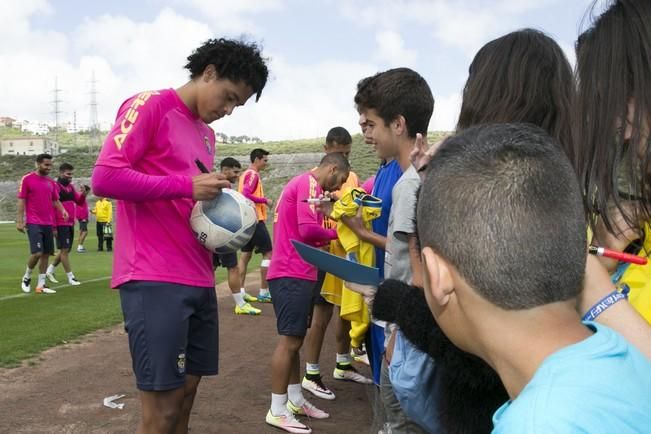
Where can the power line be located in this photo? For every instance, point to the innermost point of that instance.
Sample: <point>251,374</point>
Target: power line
<point>93,120</point>
<point>56,108</point>
<point>74,128</point>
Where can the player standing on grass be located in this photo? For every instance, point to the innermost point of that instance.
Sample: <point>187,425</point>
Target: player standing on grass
<point>69,197</point>
<point>103,211</point>
<point>164,274</point>
<point>294,288</point>
<point>36,196</point>
<point>231,169</point>
<point>81,213</point>
<point>251,187</point>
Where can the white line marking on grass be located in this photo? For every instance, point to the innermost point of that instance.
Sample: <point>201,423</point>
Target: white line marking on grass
<point>97,279</point>
<point>8,297</point>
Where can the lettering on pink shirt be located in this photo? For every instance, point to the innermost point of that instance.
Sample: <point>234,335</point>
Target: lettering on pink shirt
<point>156,135</point>
<point>131,116</point>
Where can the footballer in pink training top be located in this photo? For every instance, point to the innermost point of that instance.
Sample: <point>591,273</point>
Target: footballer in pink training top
<point>69,198</point>
<point>293,287</point>
<point>81,213</point>
<point>37,194</point>
<point>165,276</point>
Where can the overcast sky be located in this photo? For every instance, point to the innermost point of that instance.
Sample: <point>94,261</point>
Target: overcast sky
<point>318,51</point>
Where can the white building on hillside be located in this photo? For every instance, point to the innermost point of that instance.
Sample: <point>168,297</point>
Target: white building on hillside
<point>72,127</point>
<point>38,128</point>
<point>7,121</point>
<point>28,146</point>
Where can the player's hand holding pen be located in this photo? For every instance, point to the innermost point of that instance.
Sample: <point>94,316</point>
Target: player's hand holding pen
<point>323,203</point>
<point>209,184</point>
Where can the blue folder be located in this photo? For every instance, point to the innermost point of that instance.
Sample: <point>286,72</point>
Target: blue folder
<point>344,269</point>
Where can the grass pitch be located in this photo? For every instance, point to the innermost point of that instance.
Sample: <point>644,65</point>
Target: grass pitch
<point>31,323</point>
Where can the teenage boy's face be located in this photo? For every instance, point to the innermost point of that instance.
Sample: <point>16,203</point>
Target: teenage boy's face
<point>262,162</point>
<point>363,123</point>
<point>217,97</point>
<point>378,134</point>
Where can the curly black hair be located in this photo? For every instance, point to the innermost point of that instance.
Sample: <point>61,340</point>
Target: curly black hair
<point>235,60</point>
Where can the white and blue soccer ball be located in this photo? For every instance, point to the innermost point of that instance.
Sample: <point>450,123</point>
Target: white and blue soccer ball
<point>224,224</point>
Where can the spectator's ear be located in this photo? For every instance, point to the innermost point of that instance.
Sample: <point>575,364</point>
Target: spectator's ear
<point>399,125</point>
<point>439,286</point>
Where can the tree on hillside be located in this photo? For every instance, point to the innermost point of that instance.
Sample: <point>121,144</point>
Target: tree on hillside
<point>221,138</point>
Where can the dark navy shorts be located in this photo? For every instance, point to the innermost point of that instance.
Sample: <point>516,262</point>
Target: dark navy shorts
<point>83,225</point>
<point>40,238</point>
<point>173,331</point>
<point>260,241</point>
<point>65,237</point>
<point>226,260</point>
<point>293,301</point>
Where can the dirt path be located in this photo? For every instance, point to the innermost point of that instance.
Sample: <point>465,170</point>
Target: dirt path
<point>63,391</point>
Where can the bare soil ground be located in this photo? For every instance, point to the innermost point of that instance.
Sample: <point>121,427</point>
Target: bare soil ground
<point>62,390</point>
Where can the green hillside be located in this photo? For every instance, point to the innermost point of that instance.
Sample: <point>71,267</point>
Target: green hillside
<point>363,161</point>
<point>13,167</point>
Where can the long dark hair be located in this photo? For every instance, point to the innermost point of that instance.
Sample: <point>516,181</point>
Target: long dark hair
<point>613,70</point>
<point>523,76</point>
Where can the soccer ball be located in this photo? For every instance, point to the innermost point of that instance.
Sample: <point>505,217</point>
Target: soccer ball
<point>224,224</point>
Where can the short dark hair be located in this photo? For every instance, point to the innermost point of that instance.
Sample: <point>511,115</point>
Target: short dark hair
<point>512,194</point>
<point>258,153</point>
<point>337,159</point>
<point>65,167</point>
<point>41,157</point>
<point>235,60</point>
<point>338,136</point>
<point>399,91</point>
<point>230,162</point>
<point>521,77</point>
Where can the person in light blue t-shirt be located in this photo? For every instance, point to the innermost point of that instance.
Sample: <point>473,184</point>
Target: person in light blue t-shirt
<point>508,292</point>
<point>599,373</point>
